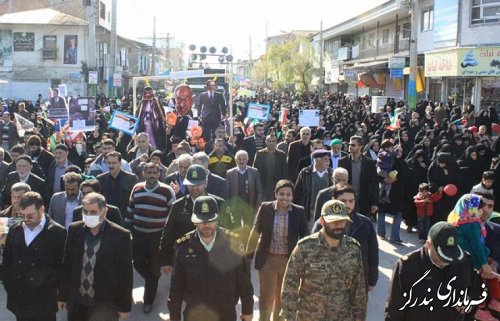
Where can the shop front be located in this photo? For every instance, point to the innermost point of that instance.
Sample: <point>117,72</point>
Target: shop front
<point>465,76</point>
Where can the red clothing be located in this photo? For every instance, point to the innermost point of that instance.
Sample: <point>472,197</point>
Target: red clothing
<point>426,208</point>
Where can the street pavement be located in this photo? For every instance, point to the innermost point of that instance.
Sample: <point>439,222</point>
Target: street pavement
<point>389,253</point>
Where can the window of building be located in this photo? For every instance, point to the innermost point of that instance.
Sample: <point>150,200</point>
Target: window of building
<point>385,36</point>
<point>371,40</point>
<point>102,10</point>
<point>485,11</point>
<point>406,30</point>
<point>427,19</point>
<point>49,50</point>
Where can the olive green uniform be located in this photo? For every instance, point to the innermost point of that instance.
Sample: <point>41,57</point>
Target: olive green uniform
<point>324,284</point>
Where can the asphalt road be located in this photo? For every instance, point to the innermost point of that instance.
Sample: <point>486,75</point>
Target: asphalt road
<point>377,298</point>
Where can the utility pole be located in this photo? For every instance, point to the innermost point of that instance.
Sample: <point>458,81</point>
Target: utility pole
<point>250,65</point>
<point>321,71</point>
<point>412,84</point>
<point>91,45</point>
<point>112,55</point>
<point>153,57</point>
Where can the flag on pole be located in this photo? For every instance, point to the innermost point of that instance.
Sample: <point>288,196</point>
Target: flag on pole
<point>395,122</point>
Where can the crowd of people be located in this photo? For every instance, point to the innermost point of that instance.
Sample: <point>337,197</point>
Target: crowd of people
<point>306,204</point>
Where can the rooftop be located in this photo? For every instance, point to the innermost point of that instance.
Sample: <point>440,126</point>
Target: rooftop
<point>42,16</point>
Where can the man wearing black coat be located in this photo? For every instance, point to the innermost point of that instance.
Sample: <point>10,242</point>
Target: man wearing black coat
<point>32,262</point>
<point>116,184</point>
<point>362,176</point>
<point>97,272</point>
<point>179,219</point>
<point>211,107</point>
<point>24,165</point>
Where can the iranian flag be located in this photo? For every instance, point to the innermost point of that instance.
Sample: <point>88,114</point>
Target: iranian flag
<point>395,123</point>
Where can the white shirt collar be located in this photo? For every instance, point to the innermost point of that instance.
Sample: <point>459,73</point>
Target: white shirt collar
<point>210,245</point>
<point>30,235</point>
<point>242,171</point>
<point>25,179</point>
<point>320,174</point>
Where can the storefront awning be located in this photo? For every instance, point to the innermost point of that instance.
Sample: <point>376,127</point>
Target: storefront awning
<point>379,64</point>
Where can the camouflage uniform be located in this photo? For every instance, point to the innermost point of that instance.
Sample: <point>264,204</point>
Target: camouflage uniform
<point>323,284</point>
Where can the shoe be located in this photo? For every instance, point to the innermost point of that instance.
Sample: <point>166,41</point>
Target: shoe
<point>381,236</point>
<point>147,308</point>
<point>399,242</point>
<point>484,315</point>
<point>409,229</point>
<point>494,305</point>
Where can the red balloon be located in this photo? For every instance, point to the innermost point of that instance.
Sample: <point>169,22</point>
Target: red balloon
<point>450,190</point>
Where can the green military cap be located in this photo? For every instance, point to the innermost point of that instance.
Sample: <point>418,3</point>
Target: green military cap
<point>333,211</point>
<point>444,238</point>
<point>205,210</point>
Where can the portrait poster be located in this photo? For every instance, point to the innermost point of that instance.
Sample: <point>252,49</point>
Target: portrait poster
<point>63,90</point>
<point>24,41</point>
<point>258,111</point>
<point>124,122</point>
<point>82,114</point>
<point>5,47</point>
<point>309,117</point>
<point>23,125</point>
<point>70,49</point>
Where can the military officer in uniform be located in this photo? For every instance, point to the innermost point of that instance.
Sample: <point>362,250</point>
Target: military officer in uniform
<point>179,219</point>
<point>211,272</point>
<point>418,276</point>
<point>324,278</point>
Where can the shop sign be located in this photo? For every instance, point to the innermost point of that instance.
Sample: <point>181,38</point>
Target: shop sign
<point>441,64</point>
<point>397,62</point>
<point>481,62</point>
<point>396,73</point>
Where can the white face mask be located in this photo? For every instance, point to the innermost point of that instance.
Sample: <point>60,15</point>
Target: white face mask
<point>91,221</point>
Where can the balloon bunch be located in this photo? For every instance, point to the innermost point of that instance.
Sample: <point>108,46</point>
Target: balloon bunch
<point>196,138</point>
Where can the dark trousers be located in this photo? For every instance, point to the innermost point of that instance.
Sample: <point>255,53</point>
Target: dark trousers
<point>41,317</point>
<point>147,261</point>
<point>209,126</point>
<point>80,312</point>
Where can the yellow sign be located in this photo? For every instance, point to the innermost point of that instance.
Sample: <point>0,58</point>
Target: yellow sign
<point>483,61</point>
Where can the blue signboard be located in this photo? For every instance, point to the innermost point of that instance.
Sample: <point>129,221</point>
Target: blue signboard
<point>397,73</point>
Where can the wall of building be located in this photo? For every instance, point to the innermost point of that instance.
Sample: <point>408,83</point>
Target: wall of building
<point>476,35</point>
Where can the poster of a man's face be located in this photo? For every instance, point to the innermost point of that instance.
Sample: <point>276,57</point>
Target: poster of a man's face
<point>70,49</point>
<point>183,99</point>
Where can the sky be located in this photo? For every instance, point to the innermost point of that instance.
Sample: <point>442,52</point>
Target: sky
<point>231,23</point>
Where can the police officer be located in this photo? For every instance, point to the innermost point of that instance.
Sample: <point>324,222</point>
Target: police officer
<point>179,219</point>
<point>418,276</point>
<point>324,278</point>
<point>211,272</point>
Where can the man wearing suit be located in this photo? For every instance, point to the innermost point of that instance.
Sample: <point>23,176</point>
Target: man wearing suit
<point>4,170</point>
<point>62,204</point>
<point>116,184</point>
<point>362,177</point>
<point>176,179</point>
<point>339,176</point>
<point>92,185</point>
<point>245,192</point>
<point>254,143</point>
<point>24,164</point>
<point>216,184</point>
<point>39,154</point>
<point>298,149</point>
<point>307,160</point>
<point>277,228</point>
<point>97,274</point>
<point>311,180</point>
<point>57,169</point>
<point>32,262</point>
<point>211,107</point>
<point>271,164</point>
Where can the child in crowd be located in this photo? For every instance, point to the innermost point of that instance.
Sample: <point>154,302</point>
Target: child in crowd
<point>385,165</point>
<point>485,186</point>
<point>424,202</point>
